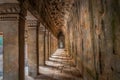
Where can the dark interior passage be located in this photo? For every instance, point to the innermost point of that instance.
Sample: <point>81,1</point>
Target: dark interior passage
<point>61,40</point>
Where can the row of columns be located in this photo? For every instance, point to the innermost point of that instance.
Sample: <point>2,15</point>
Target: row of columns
<point>41,45</point>
<point>40,42</point>
<point>50,44</point>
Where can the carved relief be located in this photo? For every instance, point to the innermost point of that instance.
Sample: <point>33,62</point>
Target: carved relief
<point>32,23</point>
<point>9,12</point>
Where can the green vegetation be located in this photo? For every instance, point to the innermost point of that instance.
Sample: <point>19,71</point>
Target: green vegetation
<point>1,40</point>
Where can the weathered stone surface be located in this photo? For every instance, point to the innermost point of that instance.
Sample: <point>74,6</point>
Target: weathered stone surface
<point>11,65</point>
<point>10,25</point>
<point>41,45</point>
<point>96,36</point>
<point>32,51</point>
<point>46,46</point>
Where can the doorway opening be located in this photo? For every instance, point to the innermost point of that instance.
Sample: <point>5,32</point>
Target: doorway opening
<point>61,40</point>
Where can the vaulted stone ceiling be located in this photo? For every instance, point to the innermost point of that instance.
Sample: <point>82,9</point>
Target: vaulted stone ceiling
<point>53,12</point>
<point>58,11</point>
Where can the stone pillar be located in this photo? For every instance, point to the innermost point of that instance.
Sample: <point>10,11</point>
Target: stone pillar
<point>56,44</point>
<point>41,45</point>
<point>46,47</point>
<point>12,25</point>
<point>52,44</point>
<point>33,48</point>
<point>23,13</point>
<point>49,44</point>
<point>66,43</point>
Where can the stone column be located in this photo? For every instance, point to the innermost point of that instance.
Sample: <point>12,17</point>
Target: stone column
<point>12,24</point>
<point>33,48</point>
<point>46,47</point>
<point>23,14</point>
<point>55,44</point>
<point>49,44</point>
<point>66,43</point>
<point>52,44</point>
<point>41,45</point>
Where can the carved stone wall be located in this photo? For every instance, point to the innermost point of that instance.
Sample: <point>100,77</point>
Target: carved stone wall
<point>93,34</point>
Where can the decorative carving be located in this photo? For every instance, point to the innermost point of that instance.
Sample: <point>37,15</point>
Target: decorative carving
<point>41,27</point>
<point>9,17</point>
<point>9,8</point>
<point>12,12</point>
<point>58,11</point>
<point>32,23</point>
<point>9,12</point>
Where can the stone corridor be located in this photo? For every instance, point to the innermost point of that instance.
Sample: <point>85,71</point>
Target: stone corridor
<point>60,66</point>
<point>59,39</point>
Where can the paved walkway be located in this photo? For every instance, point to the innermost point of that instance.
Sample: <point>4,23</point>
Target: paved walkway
<point>59,67</point>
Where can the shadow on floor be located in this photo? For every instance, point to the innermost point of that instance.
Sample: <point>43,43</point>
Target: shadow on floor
<point>44,77</point>
<point>58,68</point>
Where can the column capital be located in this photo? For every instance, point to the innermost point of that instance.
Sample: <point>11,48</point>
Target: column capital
<point>42,28</point>
<point>32,23</point>
<point>47,32</point>
<point>11,12</point>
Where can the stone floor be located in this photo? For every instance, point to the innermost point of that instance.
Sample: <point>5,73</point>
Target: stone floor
<point>59,67</point>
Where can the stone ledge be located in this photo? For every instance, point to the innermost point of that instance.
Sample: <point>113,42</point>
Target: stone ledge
<point>9,17</point>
